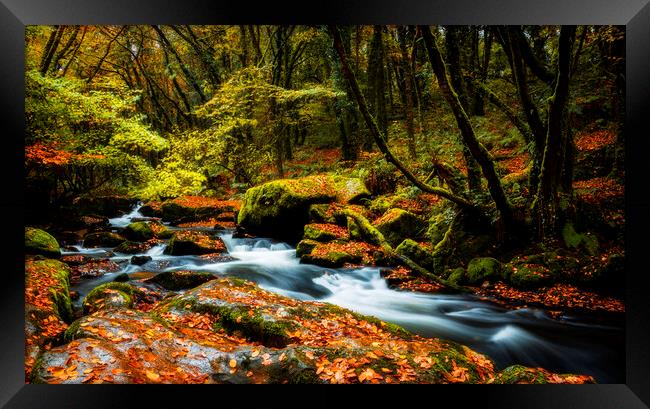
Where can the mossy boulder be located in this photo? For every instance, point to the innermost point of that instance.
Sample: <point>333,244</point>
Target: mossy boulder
<point>280,208</point>
<point>110,206</point>
<point>103,239</point>
<point>181,280</point>
<point>38,241</point>
<point>330,259</point>
<point>305,247</point>
<point>138,231</point>
<point>579,241</point>
<point>336,254</point>
<point>438,225</point>
<point>324,232</point>
<point>484,268</point>
<point>457,275</point>
<point>322,213</point>
<point>132,247</point>
<point>397,225</point>
<point>194,242</point>
<point>416,252</point>
<point>112,295</point>
<point>528,276</point>
<point>140,260</point>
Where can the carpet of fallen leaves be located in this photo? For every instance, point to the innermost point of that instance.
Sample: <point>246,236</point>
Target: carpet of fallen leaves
<point>557,296</point>
<point>202,240</point>
<point>597,190</point>
<point>355,248</point>
<point>594,140</point>
<point>338,231</point>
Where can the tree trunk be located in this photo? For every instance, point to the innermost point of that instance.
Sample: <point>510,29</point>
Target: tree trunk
<point>50,48</point>
<point>546,205</point>
<point>408,90</point>
<point>375,130</point>
<point>477,150</point>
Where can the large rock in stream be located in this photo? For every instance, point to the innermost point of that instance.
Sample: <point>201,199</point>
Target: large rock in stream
<point>39,241</point>
<point>280,208</point>
<point>231,331</point>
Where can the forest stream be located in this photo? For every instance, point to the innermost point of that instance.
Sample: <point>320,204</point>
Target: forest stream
<point>583,343</point>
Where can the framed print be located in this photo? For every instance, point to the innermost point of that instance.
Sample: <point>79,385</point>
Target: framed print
<point>417,193</point>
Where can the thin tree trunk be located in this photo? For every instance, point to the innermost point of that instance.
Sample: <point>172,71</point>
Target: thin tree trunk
<point>408,90</point>
<point>477,150</point>
<point>375,130</point>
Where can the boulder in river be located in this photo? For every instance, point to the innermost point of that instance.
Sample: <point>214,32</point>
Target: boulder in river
<point>484,268</point>
<point>280,208</point>
<point>38,241</point>
<point>110,206</point>
<point>133,247</point>
<point>140,260</point>
<point>181,280</point>
<point>194,243</point>
<point>230,331</point>
<point>146,230</point>
<point>110,296</point>
<point>103,239</point>
<point>398,224</point>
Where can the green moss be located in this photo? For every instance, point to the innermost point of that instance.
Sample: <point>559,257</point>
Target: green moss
<point>132,247</point>
<point>457,276</point>
<point>349,190</point>
<point>70,333</point>
<point>397,225</point>
<point>60,289</point>
<point>519,374</point>
<point>416,252</point>
<point>305,247</point>
<point>330,259</point>
<point>99,293</point>
<point>483,268</point>
<point>38,241</point>
<point>103,239</point>
<point>575,240</point>
<point>180,280</point>
<point>138,231</point>
<point>530,276</point>
<point>314,233</point>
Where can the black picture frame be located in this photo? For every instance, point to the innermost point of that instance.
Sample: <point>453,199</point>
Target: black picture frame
<point>634,14</point>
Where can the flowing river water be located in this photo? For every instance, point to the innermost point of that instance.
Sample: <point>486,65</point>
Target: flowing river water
<point>585,344</point>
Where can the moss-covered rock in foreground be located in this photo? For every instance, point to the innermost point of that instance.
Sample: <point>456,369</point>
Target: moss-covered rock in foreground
<point>38,241</point>
<point>180,280</point>
<point>416,252</point>
<point>231,331</point>
<point>518,374</point>
<point>281,208</point>
<point>397,225</point>
<point>110,296</point>
<point>194,242</point>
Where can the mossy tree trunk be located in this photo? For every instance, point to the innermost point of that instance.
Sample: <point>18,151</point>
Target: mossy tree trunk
<point>453,35</point>
<point>478,151</point>
<point>376,133</point>
<point>546,205</point>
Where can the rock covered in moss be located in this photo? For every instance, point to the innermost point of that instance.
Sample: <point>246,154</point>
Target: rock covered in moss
<point>483,268</point>
<point>524,274</point>
<point>324,232</point>
<point>583,241</point>
<point>305,247</point>
<point>416,252</point>
<point>48,307</point>
<point>140,260</point>
<point>518,374</point>
<point>397,225</point>
<point>337,254</point>
<point>280,208</point>
<point>194,242</point>
<point>39,241</point>
<point>138,231</point>
<point>180,280</point>
<point>110,206</point>
<point>113,295</point>
<point>103,239</point>
<point>231,331</point>
<point>133,247</point>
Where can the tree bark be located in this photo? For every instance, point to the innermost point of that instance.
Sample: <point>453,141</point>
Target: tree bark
<point>376,132</point>
<point>477,150</point>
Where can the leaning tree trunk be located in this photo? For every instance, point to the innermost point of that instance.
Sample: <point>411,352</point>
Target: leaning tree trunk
<point>375,132</point>
<point>477,150</point>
